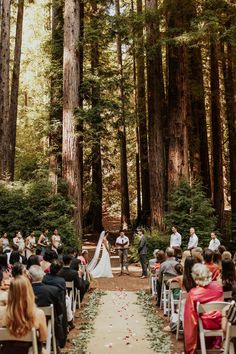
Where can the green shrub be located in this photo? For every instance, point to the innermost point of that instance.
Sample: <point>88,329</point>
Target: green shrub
<point>32,206</point>
<point>189,207</point>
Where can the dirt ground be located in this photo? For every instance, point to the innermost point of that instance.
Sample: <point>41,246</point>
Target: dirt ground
<point>130,282</point>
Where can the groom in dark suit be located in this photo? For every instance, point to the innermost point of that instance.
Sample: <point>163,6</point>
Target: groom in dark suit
<point>142,251</point>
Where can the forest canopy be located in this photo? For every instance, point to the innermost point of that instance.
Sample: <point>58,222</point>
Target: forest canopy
<point>120,101</point>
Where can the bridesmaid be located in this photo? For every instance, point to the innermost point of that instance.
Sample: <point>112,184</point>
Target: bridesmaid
<point>30,245</point>
<point>43,240</point>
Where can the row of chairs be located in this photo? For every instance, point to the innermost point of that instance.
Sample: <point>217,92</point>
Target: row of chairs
<point>31,337</point>
<point>171,306</point>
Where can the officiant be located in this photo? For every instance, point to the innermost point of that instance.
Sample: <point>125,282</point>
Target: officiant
<point>122,243</point>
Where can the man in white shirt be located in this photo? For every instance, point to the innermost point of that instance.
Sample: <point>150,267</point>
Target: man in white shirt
<point>175,239</point>
<point>122,243</point>
<point>193,239</point>
<point>214,243</point>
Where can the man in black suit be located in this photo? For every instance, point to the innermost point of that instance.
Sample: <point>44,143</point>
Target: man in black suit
<point>45,295</point>
<point>72,275</point>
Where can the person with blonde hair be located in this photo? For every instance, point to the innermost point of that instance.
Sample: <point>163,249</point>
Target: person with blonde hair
<point>21,315</point>
<point>205,291</point>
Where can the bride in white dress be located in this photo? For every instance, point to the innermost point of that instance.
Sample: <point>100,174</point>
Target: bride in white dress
<point>101,268</point>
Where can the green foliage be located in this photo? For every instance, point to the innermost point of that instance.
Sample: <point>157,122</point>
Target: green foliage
<point>189,207</point>
<point>32,206</point>
<point>154,240</point>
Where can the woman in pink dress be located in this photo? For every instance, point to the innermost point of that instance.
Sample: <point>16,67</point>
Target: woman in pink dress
<point>205,291</point>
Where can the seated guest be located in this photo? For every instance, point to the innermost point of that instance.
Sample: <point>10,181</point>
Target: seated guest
<point>197,254</point>
<point>160,258</point>
<point>72,275</point>
<point>18,269</point>
<point>46,262</point>
<point>4,267</point>
<point>45,295</point>
<point>205,291</point>
<point>184,256</point>
<point>221,249</point>
<point>217,257</point>
<point>226,255</point>
<point>152,261</point>
<point>54,279</point>
<point>84,257</point>
<point>32,260</point>
<point>167,268</point>
<point>213,268</point>
<point>75,262</point>
<point>38,253</point>
<point>15,257</point>
<point>228,274</point>
<point>188,282</point>
<point>21,315</point>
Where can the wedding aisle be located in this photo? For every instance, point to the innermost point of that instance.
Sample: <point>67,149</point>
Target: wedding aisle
<point>119,327</point>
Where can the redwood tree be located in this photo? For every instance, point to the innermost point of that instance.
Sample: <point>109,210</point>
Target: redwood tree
<point>71,79</point>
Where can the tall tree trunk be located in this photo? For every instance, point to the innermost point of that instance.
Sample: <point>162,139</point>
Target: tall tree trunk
<point>137,163</point>
<point>142,119</point>
<point>156,115</point>
<point>178,162</point>
<point>71,79</point>
<point>15,88</point>
<point>229,63</point>
<point>125,214</point>
<point>4,89</point>
<point>218,191</point>
<point>56,106</point>
<point>198,146</point>
<point>94,216</point>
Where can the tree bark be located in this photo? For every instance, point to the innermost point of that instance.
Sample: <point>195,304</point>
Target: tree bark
<point>71,80</point>
<point>178,161</point>
<point>15,88</point>
<point>156,116</point>
<point>4,89</point>
<point>142,118</point>
<point>125,213</point>
<point>229,63</point>
<point>218,190</point>
<point>56,92</point>
<point>94,215</point>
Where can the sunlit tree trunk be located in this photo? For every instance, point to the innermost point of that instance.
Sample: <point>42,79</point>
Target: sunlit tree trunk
<point>156,116</point>
<point>71,79</point>
<point>125,215</point>
<point>142,118</point>
<point>56,92</point>
<point>216,127</point>
<point>4,89</point>
<point>15,88</point>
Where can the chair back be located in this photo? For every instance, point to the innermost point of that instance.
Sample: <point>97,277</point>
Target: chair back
<point>49,313</point>
<point>31,337</point>
<point>228,295</point>
<point>211,306</point>
<point>174,285</point>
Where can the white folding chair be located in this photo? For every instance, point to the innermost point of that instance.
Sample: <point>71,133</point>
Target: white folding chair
<point>153,284</point>
<point>165,292</point>
<point>230,333</point>
<point>204,308</point>
<point>181,304</point>
<point>49,313</point>
<point>31,337</point>
<point>171,301</point>
<point>74,295</point>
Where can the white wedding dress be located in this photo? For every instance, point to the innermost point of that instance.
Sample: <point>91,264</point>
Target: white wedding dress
<point>100,268</point>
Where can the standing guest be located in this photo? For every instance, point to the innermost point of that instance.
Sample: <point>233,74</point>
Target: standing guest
<point>19,241</point>
<point>228,275</point>
<point>213,267</point>
<point>4,242</point>
<point>43,240</point>
<point>30,245</point>
<point>122,243</point>
<point>21,315</point>
<point>214,243</point>
<point>175,238</point>
<point>56,240</point>
<point>193,239</point>
<point>205,291</point>
<point>142,251</point>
